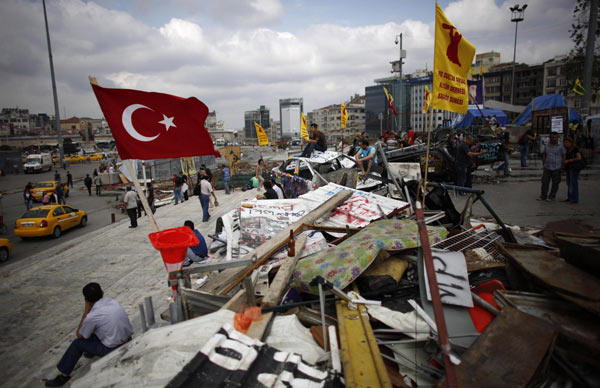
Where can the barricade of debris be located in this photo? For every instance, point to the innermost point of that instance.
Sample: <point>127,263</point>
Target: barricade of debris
<point>340,287</point>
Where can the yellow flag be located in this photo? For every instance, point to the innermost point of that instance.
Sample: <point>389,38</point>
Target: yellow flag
<point>578,88</point>
<point>427,100</point>
<point>303,127</point>
<point>344,115</point>
<point>452,59</point>
<point>261,135</point>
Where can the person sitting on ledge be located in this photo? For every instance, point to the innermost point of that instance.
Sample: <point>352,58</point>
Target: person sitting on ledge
<point>198,253</point>
<point>104,327</point>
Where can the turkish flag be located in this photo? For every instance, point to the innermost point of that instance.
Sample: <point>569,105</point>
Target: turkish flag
<point>148,125</point>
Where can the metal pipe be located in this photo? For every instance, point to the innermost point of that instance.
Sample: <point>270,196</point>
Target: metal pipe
<point>512,80</point>
<point>323,322</point>
<point>436,299</point>
<point>173,312</point>
<point>509,237</point>
<point>143,318</point>
<point>149,311</point>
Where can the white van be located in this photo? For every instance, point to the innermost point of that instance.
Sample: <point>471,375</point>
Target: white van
<point>37,163</point>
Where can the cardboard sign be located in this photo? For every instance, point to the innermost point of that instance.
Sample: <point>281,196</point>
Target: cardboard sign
<point>452,278</point>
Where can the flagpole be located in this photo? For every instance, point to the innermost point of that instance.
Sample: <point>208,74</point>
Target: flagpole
<point>136,181</point>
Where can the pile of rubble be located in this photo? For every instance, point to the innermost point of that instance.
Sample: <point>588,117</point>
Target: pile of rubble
<point>332,288</point>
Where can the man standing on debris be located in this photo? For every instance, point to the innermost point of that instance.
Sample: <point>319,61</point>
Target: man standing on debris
<point>205,190</point>
<point>366,158</point>
<point>198,253</point>
<point>317,142</point>
<point>130,203</point>
<point>464,163</point>
<point>104,327</point>
<point>88,183</point>
<point>553,160</point>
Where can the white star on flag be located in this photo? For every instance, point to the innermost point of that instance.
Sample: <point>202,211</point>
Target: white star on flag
<point>167,122</point>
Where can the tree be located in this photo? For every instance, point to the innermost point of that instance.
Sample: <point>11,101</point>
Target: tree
<point>68,146</point>
<point>574,66</point>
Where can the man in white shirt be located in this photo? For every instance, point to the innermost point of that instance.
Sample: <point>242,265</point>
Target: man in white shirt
<point>130,203</point>
<point>104,327</point>
<point>205,191</point>
<point>277,189</point>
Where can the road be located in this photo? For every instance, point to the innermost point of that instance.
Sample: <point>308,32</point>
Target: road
<point>99,209</point>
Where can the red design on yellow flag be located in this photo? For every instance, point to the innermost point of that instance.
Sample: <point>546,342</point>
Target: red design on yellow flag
<point>261,135</point>
<point>303,127</point>
<point>453,55</point>
<point>344,115</point>
<point>427,100</point>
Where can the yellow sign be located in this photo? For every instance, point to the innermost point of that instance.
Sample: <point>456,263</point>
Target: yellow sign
<point>261,135</point>
<point>303,127</point>
<point>233,154</point>
<point>344,115</point>
<point>578,88</point>
<point>188,166</point>
<point>427,100</point>
<point>452,60</point>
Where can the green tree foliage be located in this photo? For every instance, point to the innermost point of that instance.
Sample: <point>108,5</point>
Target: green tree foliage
<point>573,68</point>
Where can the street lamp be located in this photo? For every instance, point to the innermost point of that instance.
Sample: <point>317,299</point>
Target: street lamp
<point>399,71</point>
<point>518,14</point>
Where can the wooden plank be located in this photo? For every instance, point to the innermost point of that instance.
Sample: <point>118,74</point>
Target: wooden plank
<point>283,275</point>
<point>229,278</point>
<point>236,302</point>
<point>257,328</point>
<point>363,364</point>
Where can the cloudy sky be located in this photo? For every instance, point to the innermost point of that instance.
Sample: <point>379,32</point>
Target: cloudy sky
<point>235,55</point>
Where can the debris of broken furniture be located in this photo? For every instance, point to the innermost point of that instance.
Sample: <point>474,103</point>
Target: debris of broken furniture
<point>345,269</point>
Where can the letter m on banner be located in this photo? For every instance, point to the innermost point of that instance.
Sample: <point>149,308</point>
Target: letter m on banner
<point>452,59</point>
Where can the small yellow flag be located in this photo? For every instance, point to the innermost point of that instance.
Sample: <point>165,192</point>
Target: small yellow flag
<point>452,58</point>
<point>261,135</point>
<point>344,115</point>
<point>578,88</point>
<point>427,100</point>
<point>303,127</point>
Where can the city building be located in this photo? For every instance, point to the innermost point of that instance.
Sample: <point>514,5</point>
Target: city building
<point>329,119</point>
<point>211,121</point>
<point>289,117</point>
<point>484,61</point>
<point>378,116</point>
<point>260,116</point>
<point>529,83</point>
<point>16,120</point>
<point>419,121</point>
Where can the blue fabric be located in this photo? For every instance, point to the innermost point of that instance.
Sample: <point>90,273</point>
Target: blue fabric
<point>226,174</point>
<point>523,148</point>
<point>469,118</point>
<point>543,102</point>
<point>200,249</point>
<point>504,166</point>
<point>77,348</point>
<point>204,202</point>
<point>226,184</point>
<point>308,150</point>
<point>178,195</point>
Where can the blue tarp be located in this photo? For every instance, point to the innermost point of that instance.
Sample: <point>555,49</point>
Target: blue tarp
<point>467,121</point>
<point>545,102</point>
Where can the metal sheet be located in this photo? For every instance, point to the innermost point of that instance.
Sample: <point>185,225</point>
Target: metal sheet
<point>512,352</point>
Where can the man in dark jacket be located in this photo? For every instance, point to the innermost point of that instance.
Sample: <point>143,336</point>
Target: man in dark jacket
<point>88,183</point>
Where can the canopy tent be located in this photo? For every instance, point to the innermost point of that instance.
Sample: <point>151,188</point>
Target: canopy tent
<point>546,102</point>
<point>472,114</point>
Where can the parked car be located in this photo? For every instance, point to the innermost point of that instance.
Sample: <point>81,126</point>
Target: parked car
<point>41,188</point>
<point>49,220</point>
<point>5,248</point>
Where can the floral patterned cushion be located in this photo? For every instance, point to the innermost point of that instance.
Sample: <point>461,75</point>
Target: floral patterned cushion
<point>342,264</point>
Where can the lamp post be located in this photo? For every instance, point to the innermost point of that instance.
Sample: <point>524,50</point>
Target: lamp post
<point>399,71</point>
<point>518,14</point>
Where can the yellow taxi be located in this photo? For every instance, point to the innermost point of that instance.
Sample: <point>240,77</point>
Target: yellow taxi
<point>41,188</point>
<point>49,220</point>
<point>5,248</point>
<point>75,158</point>
<point>95,157</point>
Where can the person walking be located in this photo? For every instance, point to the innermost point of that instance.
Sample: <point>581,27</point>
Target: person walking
<point>130,203</point>
<point>27,197</point>
<point>69,179</point>
<point>524,141</point>
<point>506,149</point>
<point>226,177</point>
<point>464,162</point>
<point>260,171</point>
<point>150,196</point>
<point>98,184</point>
<point>553,160</point>
<point>573,165</point>
<point>60,194</point>
<point>87,181</point>
<point>205,191</point>
<point>57,176</point>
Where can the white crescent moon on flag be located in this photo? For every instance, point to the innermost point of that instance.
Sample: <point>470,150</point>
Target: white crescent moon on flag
<point>127,124</point>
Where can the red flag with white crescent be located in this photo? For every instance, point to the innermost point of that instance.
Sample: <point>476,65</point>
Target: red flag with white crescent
<point>149,125</point>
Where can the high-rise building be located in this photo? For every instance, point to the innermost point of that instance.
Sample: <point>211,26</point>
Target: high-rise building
<point>289,117</point>
<point>419,121</point>
<point>211,121</point>
<point>260,116</point>
<point>378,116</point>
<point>529,83</point>
<point>328,118</point>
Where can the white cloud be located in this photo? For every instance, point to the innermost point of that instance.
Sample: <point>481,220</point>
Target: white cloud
<point>237,69</point>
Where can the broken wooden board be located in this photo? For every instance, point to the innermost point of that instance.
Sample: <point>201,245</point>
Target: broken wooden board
<point>363,364</point>
<point>513,351</point>
<point>561,277</point>
<point>229,278</point>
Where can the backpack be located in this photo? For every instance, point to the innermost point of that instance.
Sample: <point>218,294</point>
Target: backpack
<point>178,180</point>
<point>521,141</point>
<point>581,164</point>
<point>197,189</point>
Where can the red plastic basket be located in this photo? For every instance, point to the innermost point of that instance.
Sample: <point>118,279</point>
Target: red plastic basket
<point>173,245</point>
